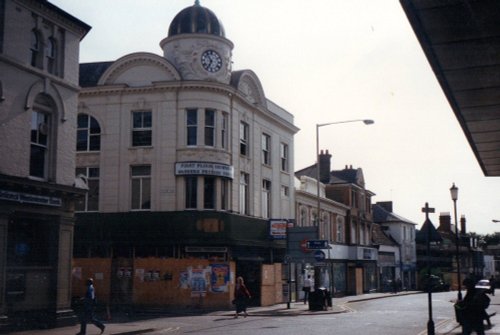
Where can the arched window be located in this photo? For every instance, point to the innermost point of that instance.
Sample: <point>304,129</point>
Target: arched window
<point>52,55</point>
<point>42,139</point>
<point>88,133</point>
<point>35,49</point>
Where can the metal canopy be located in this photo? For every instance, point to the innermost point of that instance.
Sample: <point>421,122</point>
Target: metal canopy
<point>461,39</point>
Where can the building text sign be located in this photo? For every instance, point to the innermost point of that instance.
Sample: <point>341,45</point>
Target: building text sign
<point>204,169</point>
<point>30,198</point>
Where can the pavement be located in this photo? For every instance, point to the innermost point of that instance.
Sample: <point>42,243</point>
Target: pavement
<point>151,322</point>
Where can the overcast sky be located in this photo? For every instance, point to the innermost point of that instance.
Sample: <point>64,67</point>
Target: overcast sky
<point>328,61</point>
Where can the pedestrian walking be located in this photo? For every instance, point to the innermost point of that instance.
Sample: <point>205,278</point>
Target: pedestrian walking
<point>474,307</point>
<point>87,314</point>
<point>241,297</point>
<point>308,283</point>
<point>492,285</point>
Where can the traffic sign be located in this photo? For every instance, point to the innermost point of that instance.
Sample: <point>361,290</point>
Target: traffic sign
<point>317,244</point>
<point>319,255</point>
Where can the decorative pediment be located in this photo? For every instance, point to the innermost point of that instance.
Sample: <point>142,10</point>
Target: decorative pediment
<point>249,85</point>
<point>139,69</point>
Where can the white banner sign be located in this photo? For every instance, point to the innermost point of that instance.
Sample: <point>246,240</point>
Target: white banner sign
<point>204,169</point>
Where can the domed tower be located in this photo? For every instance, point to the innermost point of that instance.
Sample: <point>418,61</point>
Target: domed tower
<point>197,46</point>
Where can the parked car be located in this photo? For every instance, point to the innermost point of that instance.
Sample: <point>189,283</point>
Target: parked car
<point>484,284</point>
<point>436,284</point>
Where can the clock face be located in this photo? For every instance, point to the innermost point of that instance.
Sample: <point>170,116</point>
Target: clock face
<point>211,61</point>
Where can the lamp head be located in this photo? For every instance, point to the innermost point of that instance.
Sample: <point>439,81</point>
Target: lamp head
<point>368,122</point>
<point>454,192</point>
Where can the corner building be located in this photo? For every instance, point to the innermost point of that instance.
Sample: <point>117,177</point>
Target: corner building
<point>39,50</point>
<point>184,157</point>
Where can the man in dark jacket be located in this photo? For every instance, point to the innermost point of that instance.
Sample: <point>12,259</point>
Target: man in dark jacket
<point>475,303</point>
<point>88,310</point>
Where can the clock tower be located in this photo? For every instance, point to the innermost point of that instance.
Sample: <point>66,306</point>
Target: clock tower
<point>197,46</point>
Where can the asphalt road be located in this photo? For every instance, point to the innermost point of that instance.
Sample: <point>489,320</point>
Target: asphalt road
<point>401,315</point>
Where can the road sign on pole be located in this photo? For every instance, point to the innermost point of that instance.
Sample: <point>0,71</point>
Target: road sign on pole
<point>317,244</point>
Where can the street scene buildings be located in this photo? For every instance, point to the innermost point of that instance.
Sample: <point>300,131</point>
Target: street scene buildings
<point>165,177</point>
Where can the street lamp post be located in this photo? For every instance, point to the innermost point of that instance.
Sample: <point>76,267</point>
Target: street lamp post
<point>454,197</point>
<point>319,125</point>
<point>318,220</point>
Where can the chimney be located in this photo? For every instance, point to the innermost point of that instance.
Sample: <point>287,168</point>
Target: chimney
<point>444,222</point>
<point>462,225</point>
<point>324,167</point>
<point>387,205</point>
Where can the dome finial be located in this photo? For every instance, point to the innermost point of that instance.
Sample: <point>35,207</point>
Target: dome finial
<point>196,2</point>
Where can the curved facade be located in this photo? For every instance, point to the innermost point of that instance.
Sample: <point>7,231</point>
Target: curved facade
<point>187,148</point>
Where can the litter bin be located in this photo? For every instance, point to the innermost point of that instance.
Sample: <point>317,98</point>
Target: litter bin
<point>328,298</point>
<point>317,299</point>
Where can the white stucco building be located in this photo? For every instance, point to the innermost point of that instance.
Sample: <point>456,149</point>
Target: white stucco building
<point>182,147</point>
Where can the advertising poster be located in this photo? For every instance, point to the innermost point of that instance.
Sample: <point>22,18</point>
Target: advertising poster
<point>198,283</point>
<point>219,277</point>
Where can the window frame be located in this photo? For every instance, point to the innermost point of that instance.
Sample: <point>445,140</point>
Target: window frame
<point>224,130</point>
<point>91,138</point>
<point>35,48</point>
<point>143,131</point>
<point>244,193</point>
<point>43,105</point>
<point>266,198</point>
<point>209,138</point>
<point>92,174</point>
<point>191,192</point>
<point>191,128</point>
<point>51,56</point>
<point>144,183</point>
<point>284,157</point>
<point>244,138</point>
<point>266,149</point>
<point>209,192</point>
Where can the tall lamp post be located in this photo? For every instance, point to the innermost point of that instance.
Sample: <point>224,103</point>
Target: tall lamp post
<point>319,125</point>
<point>454,197</point>
<point>318,220</point>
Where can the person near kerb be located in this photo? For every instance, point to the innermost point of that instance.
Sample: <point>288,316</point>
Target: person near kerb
<point>308,283</point>
<point>492,284</point>
<point>474,307</point>
<point>241,297</point>
<point>88,315</point>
